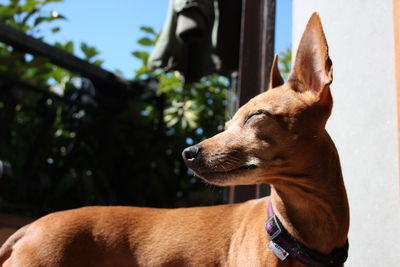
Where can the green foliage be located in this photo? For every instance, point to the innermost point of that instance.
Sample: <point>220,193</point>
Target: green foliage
<point>146,41</point>
<point>191,114</point>
<point>91,53</point>
<point>28,15</point>
<point>285,61</point>
<point>199,105</point>
<point>69,151</point>
<point>148,29</point>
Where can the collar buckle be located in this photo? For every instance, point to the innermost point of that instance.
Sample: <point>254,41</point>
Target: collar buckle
<point>272,227</point>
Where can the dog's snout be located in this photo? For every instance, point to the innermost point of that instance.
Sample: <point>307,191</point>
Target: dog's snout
<point>190,153</point>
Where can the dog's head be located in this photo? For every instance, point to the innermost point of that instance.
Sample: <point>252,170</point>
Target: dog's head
<point>277,132</point>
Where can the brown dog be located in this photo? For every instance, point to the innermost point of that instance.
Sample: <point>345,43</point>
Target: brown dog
<point>277,138</point>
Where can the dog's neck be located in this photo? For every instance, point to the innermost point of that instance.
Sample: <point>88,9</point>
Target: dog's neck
<point>314,208</point>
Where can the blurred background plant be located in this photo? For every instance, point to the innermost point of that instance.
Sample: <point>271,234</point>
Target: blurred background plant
<point>71,144</point>
<point>68,151</point>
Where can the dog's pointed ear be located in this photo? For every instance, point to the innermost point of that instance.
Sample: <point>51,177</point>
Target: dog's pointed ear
<point>312,71</point>
<point>275,78</point>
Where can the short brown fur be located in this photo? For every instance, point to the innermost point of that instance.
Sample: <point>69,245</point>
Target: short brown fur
<point>277,138</point>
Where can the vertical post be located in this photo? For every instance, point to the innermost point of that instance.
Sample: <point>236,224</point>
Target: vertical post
<point>256,56</point>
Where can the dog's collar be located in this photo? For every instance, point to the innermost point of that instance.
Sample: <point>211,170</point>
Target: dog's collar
<point>284,244</point>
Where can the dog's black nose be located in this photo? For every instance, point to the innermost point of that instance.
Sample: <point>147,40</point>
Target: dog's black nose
<point>190,153</point>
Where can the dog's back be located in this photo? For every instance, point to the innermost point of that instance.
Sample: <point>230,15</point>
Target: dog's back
<point>130,236</point>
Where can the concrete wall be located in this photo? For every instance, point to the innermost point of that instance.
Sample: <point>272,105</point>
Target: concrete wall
<point>364,120</point>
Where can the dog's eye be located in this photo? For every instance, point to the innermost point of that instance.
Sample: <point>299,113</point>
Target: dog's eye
<point>255,114</point>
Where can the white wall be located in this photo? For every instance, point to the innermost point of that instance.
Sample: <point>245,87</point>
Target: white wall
<point>364,120</point>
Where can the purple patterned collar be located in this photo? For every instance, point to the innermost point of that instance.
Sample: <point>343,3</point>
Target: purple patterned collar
<point>284,244</point>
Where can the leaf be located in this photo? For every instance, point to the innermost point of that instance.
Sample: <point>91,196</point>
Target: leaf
<point>6,12</point>
<point>29,15</point>
<point>143,70</point>
<point>148,29</point>
<point>193,124</point>
<point>53,17</point>
<point>170,110</point>
<point>172,122</point>
<point>29,6</point>
<point>14,2</point>
<point>68,46</point>
<point>142,55</point>
<point>89,51</point>
<point>145,41</point>
<point>55,30</point>
<point>98,62</point>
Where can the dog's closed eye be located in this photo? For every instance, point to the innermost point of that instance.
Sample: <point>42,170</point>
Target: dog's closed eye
<point>254,115</point>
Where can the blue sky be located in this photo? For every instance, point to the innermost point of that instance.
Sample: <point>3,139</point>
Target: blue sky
<point>113,27</point>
